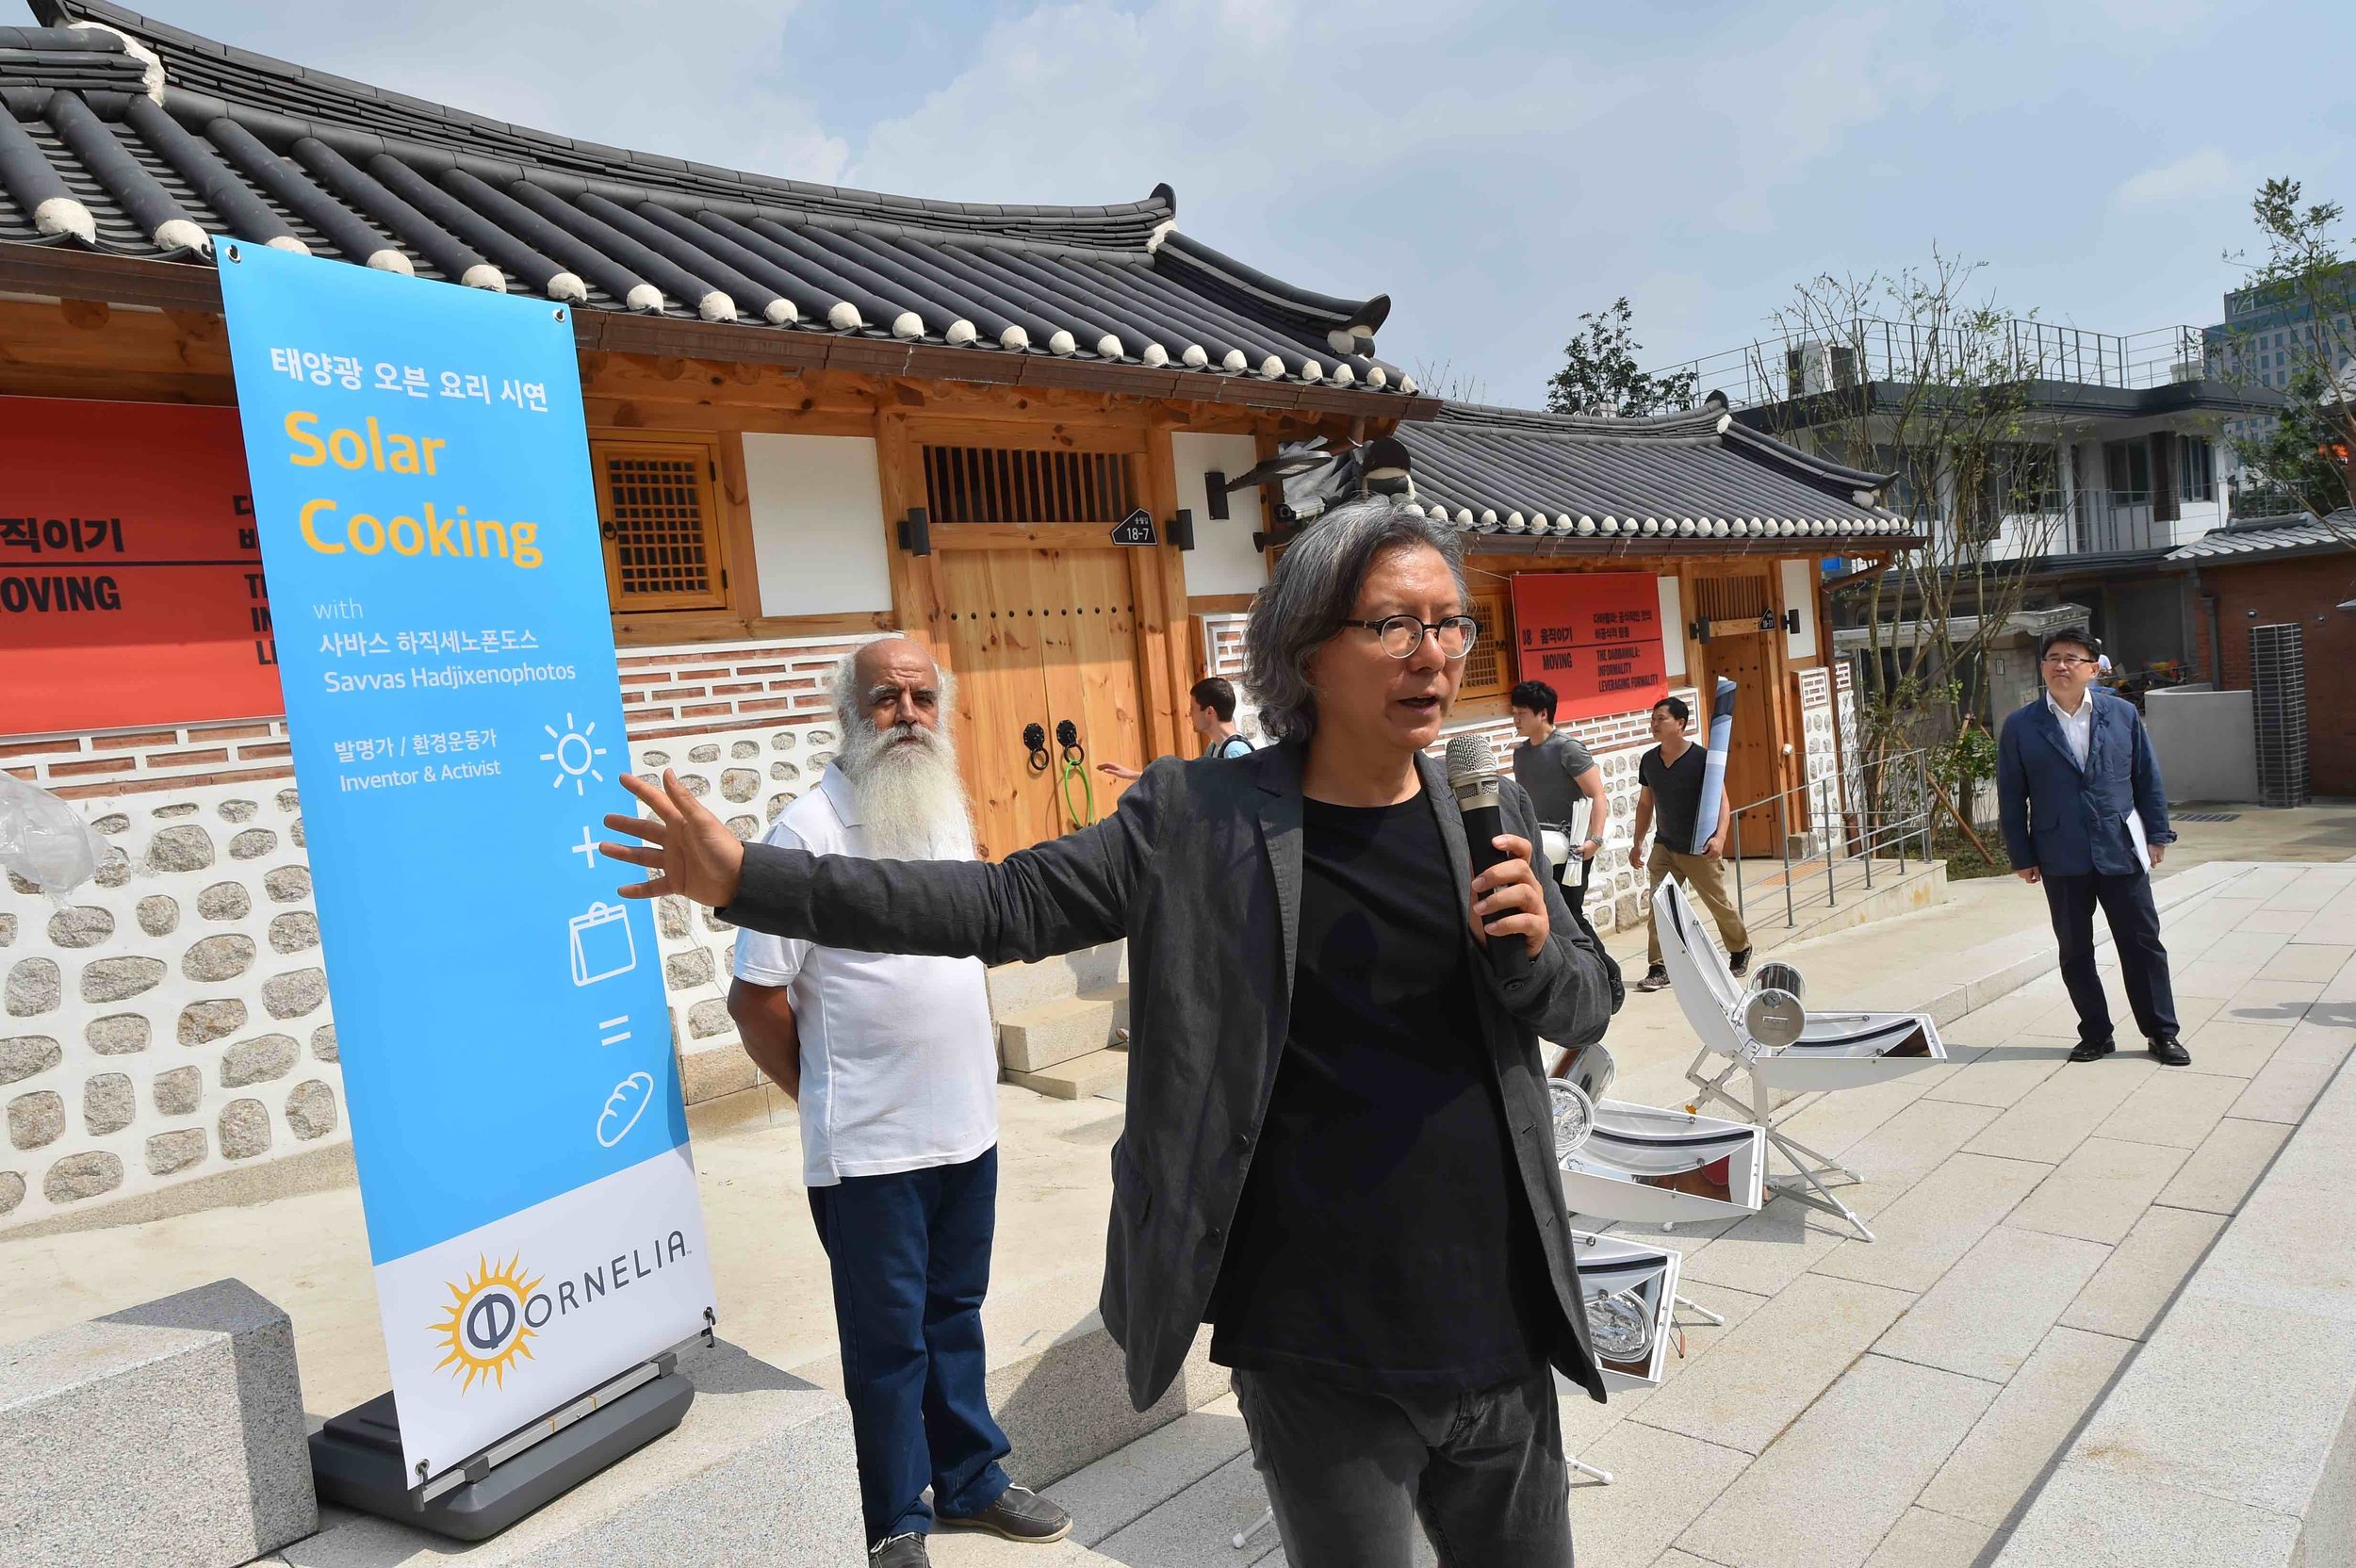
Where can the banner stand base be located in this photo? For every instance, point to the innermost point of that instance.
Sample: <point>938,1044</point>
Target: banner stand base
<point>356,1459</point>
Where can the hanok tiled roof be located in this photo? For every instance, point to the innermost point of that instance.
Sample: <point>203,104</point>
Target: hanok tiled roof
<point>1679,476</point>
<point>2299,533</point>
<point>124,135</point>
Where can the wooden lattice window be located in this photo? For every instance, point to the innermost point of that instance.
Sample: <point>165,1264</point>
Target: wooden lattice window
<point>1001,485</point>
<point>1731,606</point>
<point>661,529</point>
<point>1489,668</point>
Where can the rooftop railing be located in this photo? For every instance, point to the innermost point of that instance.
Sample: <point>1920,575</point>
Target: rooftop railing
<point>1867,348</point>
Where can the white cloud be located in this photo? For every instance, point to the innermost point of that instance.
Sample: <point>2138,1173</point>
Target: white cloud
<point>2197,177</point>
<point>623,72</point>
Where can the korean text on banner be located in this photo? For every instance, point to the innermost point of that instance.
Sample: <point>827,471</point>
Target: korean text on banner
<point>1594,637</point>
<point>420,475</point>
<point>131,588</point>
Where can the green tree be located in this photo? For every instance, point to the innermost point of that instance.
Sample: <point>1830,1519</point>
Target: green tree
<point>2306,458</point>
<point>1599,373</point>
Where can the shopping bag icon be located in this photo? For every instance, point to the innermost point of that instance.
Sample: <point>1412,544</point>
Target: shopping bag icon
<point>602,946</point>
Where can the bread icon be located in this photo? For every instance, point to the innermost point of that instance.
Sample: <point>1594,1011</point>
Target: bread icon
<point>623,1107</point>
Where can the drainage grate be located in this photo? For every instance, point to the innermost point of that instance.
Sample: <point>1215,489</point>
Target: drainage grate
<point>2204,816</point>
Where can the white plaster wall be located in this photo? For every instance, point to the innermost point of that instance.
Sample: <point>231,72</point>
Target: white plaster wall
<point>1672,627</point>
<point>1799,593</point>
<point>1223,560</point>
<point>172,1019</point>
<point>818,524</point>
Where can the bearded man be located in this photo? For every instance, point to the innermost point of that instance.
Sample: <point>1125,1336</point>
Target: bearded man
<point>895,1065</point>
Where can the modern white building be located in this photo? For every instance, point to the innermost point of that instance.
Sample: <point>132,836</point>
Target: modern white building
<point>2117,452</point>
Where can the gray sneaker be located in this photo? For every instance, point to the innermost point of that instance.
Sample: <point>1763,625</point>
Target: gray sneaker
<point>1019,1514</point>
<point>1656,979</point>
<point>899,1551</point>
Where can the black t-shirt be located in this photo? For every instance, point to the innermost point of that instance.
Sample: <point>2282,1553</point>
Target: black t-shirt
<point>1382,1238</point>
<point>1676,794</point>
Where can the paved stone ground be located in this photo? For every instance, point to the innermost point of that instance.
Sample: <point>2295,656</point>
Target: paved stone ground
<point>1891,1404</point>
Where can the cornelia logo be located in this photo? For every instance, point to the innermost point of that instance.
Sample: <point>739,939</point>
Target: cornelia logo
<point>498,1309</point>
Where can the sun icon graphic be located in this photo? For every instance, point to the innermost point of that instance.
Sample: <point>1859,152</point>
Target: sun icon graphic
<point>485,1330</point>
<point>576,756</point>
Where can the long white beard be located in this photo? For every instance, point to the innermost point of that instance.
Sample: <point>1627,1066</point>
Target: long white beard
<point>911,803</point>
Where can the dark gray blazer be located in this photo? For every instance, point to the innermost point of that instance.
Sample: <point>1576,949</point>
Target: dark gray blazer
<point>1199,869</point>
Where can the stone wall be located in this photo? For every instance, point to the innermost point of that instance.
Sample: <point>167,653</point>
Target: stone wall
<point>171,1019</point>
<point>171,1022</point>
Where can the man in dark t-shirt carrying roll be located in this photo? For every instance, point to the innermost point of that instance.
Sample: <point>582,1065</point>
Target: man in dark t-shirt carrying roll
<point>1671,777</point>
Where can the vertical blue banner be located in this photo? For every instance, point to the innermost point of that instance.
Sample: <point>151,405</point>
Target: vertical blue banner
<point>420,475</point>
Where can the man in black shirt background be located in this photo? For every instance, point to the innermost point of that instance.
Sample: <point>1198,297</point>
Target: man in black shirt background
<point>1338,1150</point>
<point>1558,771</point>
<point>1671,798</point>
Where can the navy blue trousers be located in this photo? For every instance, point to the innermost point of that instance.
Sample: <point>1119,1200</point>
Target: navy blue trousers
<point>910,1257</point>
<point>2134,922</point>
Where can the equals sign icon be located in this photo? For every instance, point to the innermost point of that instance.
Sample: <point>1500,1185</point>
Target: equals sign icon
<point>620,1027</point>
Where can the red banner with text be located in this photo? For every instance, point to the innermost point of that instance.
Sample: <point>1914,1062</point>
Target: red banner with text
<point>1594,637</point>
<point>131,584</point>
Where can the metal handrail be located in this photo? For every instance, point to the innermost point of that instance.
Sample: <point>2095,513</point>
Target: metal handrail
<point>1860,830</point>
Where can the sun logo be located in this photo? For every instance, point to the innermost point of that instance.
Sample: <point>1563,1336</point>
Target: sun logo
<point>485,1330</point>
<point>576,756</point>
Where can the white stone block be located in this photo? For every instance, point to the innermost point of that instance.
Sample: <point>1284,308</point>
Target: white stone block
<point>167,1433</point>
<point>761,1472</point>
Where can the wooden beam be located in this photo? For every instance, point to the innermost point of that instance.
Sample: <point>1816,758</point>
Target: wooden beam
<point>916,592</point>
<point>1161,580</point>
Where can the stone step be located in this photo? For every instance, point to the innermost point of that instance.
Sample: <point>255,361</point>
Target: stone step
<point>1098,1072</point>
<point>1038,1037</point>
<point>1016,987</point>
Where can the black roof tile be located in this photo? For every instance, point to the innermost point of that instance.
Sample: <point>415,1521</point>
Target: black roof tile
<point>224,138</point>
<point>1680,476</point>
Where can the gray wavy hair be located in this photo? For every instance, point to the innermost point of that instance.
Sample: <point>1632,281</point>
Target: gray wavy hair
<point>1313,592</point>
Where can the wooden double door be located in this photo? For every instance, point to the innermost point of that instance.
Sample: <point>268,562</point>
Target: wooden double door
<point>1045,637</point>
<point>1742,650</point>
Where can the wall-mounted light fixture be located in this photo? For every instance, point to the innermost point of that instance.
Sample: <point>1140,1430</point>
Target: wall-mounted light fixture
<point>1215,495</point>
<point>916,533</point>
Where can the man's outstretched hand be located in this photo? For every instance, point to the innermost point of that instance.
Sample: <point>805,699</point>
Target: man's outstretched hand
<point>691,852</point>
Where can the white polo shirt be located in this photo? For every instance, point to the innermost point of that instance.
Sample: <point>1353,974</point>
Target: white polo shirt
<point>899,1058</point>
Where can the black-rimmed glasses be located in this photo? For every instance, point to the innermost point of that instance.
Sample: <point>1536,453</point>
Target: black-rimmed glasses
<point>1401,635</point>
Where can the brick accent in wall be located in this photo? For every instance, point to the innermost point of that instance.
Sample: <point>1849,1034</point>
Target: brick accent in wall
<point>2307,591</point>
<point>666,692</point>
<point>725,686</point>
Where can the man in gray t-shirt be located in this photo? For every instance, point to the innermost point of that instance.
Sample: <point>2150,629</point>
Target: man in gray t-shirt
<point>1558,773</point>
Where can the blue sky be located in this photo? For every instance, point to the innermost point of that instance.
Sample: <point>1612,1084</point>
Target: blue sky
<point>1496,168</point>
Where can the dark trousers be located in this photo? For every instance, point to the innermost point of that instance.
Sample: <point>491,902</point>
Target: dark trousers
<point>2134,922</point>
<point>910,1257</point>
<point>1349,1473</point>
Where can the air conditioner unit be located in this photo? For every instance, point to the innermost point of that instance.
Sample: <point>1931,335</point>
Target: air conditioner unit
<point>1811,367</point>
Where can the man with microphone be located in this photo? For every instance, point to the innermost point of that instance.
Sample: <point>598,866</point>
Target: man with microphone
<point>1338,1148</point>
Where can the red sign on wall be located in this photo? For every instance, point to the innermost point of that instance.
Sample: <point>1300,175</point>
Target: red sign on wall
<point>1594,637</point>
<point>131,584</point>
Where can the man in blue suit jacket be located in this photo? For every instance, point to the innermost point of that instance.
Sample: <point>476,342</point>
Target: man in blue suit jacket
<point>2079,790</point>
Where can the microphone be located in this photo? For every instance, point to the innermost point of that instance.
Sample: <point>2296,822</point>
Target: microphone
<point>1472,773</point>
